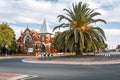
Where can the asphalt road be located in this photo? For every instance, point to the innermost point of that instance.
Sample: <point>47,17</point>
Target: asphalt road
<point>59,71</point>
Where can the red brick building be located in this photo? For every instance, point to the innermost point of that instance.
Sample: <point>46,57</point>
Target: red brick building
<point>31,41</point>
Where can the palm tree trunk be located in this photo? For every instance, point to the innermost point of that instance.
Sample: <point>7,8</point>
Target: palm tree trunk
<point>94,51</point>
<point>78,51</point>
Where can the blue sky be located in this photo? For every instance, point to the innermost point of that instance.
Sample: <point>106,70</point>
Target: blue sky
<point>22,13</point>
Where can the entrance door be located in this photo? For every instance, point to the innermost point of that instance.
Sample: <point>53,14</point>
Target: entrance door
<point>43,49</point>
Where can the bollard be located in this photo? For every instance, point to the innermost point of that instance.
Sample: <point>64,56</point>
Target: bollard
<point>46,56</point>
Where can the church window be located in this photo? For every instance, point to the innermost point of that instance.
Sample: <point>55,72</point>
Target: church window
<point>28,42</point>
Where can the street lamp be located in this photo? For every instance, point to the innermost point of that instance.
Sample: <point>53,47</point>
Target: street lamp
<point>6,50</point>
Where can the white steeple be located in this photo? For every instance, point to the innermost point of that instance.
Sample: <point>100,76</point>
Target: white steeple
<point>45,28</point>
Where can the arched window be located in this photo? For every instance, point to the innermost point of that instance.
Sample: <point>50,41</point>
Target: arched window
<point>36,46</point>
<point>28,42</point>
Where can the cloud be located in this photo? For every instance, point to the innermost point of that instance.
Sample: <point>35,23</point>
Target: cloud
<point>17,30</point>
<point>112,32</point>
<point>109,9</point>
<point>30,11</point>
<point>112,36</point>
<point>16,12</point>
<point>38,10</point>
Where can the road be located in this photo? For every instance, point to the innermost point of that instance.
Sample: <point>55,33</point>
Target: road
<point>59,71</point>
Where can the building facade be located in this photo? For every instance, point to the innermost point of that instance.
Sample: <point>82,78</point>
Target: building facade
<point>31,41</point>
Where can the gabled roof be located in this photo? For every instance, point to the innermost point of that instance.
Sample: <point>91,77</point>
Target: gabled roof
<point>27,30</point>
<point>45,29</point>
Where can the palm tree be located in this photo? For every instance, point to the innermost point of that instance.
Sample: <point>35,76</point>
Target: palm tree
<point>81,34</point>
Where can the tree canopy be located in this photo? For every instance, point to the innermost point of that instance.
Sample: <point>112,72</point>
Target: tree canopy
<point>7,36</point>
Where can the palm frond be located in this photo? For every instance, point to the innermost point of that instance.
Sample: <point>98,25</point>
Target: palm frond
<point>100,20</point>
<point>61,17</point>
<point>63,25</point>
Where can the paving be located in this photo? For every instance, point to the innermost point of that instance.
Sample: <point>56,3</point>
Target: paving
<point>89,60</point>
<point>11,76</point>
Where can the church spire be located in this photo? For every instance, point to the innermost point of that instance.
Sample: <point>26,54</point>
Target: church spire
<point>45,29</point>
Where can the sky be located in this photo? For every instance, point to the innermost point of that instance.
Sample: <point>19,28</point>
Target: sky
<point>20,14</point>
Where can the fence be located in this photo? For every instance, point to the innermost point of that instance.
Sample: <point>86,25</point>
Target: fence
<point>108,55</point>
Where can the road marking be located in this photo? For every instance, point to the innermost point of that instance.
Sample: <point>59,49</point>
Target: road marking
<point>29,77</point>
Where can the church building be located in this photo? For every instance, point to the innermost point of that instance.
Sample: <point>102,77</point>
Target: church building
<point>31,41</point>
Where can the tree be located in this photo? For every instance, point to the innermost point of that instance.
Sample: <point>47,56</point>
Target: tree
<point>81,34</point>
<point>7,37</point>
<point>118,47</point>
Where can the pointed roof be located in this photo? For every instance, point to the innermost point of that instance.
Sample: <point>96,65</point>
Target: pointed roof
<point>45,29</point>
